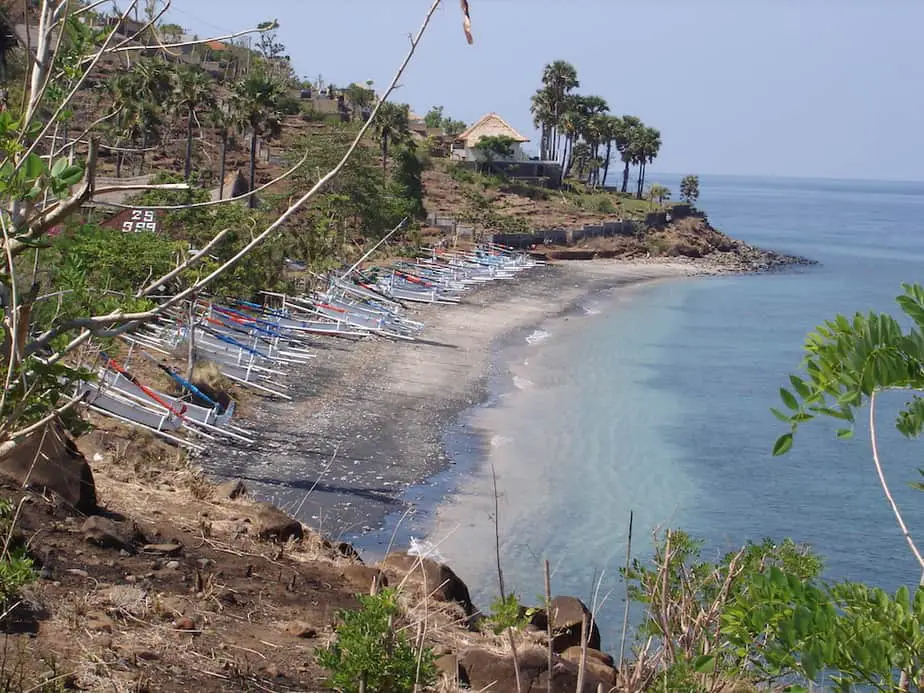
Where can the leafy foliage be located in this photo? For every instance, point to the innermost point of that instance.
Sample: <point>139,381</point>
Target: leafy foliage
<point>689,189</point>
<point>16,568</point>
<point>847,361</point>
<point>371,653</point>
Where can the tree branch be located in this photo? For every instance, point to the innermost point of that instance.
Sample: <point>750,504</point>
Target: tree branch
<point>885,486</point>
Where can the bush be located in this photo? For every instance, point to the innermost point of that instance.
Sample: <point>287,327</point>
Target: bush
<point>370,652</point>
<point>16,568</point>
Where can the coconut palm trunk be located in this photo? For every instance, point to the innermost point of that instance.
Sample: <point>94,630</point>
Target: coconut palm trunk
<point>187,168</point>
<point>252,200</point>
<point>606,163</point>
<point>221,166</point>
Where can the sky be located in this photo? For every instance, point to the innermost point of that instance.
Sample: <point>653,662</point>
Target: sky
<point>808,88</point>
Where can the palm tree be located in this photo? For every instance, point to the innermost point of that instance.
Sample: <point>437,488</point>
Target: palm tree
<point>582,154</point>
<point>659,193</point>
<point>391,127</point>
<point>543,119</point>
<point>626,135</point>
<point>192,90</point>
<point>645,149</point>
<point>123,90</point>
<point>153,87</point>
<point>222,119</point>
<point>255,101</point>
<point>559,80</point>
<point>571,124</point>
<point>609,129</point>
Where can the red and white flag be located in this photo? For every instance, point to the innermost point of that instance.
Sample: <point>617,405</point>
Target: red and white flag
<point>467,22</point>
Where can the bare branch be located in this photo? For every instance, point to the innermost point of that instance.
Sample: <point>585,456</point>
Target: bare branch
<point>191,261</point>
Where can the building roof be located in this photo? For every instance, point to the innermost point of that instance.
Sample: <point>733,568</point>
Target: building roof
<point>217,46</point>
<point>490,125</point>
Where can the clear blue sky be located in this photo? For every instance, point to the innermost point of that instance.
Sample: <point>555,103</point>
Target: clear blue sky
<point>817,88</point>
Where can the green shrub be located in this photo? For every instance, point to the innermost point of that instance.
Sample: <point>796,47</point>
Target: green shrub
<point>16,568</point>
<point>370,649</point>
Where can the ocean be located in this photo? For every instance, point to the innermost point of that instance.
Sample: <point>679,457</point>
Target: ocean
<point>655,400</point>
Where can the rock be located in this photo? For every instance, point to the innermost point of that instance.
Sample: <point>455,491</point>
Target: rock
<point>362,577</point>
<point>98,621</point>
<point>449,666</point>
<point>486,670</point>
<point>109,534</point>
<point>274,525</point>
<point>205,563</point>
<point>172,565</point>
<point>78,572</point>
<point>573,654</point>
<point>48,459</point>
<point>184,623</point>
<point>435,579</point>
<point>300,629</point>
<point>231,490</point>
<point>163,549</point>
<point>597,662</point>
<point>347,550</point>
<point>271,670</point>
<point>567,615</point>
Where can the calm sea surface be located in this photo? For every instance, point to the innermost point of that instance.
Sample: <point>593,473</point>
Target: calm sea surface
<point>656,400</point>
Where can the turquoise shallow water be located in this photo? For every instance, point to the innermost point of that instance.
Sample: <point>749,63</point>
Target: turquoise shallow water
<point>656,400</point>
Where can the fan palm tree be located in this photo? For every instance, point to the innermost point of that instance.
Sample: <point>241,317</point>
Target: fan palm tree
<point>255,102</point>
<point>559,80</point>
<point>222,119</point>
<point>192,90</point>
<point>626,135</point>
<point>609,131</point>
<point>391,127</point>
<point>645,149</point>
<point>658,193</point>
<point>543,119</point>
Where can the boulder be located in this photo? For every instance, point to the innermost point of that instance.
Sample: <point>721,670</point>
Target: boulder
<point>600,663</point>
<point>49,460</point>
<point>486,670</point>
<point>449,666</point>
<point>274,525</point>
<point>231,490</point>
<point>567,616</point>
<point>362,576</point>
<point>109,534</point>
<point>434,579</point>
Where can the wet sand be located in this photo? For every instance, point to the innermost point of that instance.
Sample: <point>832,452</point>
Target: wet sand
<point>368,417</point>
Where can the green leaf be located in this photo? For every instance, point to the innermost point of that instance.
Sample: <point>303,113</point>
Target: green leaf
<point>71,175</point>
<point>780,415</point>
<point>783,444</point>
<point>800,387</point>
<point>33,167</point>
<point>845,433</point>
<point>704,664</point>
<point>788,399</point>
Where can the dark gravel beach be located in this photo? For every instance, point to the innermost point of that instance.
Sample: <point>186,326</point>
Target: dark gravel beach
<point>367,416</point>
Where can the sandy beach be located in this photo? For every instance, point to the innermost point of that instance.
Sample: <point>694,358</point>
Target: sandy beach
<point>368,416</point>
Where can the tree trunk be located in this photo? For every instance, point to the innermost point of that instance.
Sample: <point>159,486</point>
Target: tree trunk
<point>221,168</point>
<point>606,164</point>
<point>252,200</point>
<point>625,178</point>
<point>187,169</point>
<point>384,155</point>
<point>119,156</point>
<point>641,180</point>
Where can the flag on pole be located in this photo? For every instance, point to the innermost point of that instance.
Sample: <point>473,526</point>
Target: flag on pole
<point>467,22</point>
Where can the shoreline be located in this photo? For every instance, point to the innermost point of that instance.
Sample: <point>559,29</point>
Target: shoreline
<point>365,437</point>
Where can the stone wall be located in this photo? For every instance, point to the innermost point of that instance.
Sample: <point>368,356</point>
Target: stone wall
<point>567,236</point>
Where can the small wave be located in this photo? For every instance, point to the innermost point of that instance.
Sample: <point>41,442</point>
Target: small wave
<point>522,383</point>
<point>590,310</point>
<point>537,337</point>
<point>497,441</point>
